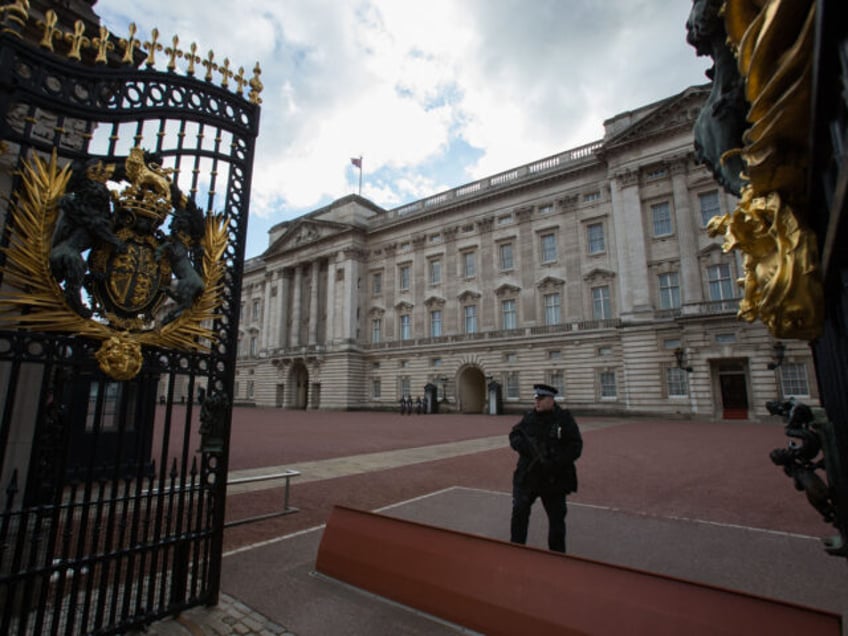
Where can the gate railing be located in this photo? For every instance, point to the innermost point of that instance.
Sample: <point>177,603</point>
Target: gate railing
<point>112,500</point>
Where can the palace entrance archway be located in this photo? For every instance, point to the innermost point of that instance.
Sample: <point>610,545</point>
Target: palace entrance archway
<point>471,390</point>
<point>299,383</point>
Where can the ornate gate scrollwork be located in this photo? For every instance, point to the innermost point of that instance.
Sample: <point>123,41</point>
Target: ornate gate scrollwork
<point>60,213</point>
<point>124,195</point>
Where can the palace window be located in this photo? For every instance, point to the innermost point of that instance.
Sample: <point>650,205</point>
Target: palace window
<point>657,172</point>
<point>557,380</point>
<point>376,330</point>
<point>549,248</point>
<point>375,388</point>
<point>606,381</point>
<point>405,327</point>
<point>710,206</point>
<point>403,277</point>
<point>509,319</point>
<point>505,256</point>
<point>470,316</point>
<point>676,382</point>
<point>721,285</point>
<point>793,380</point>
<point>513,386</point>
<point>435,271</point>
<point>435,323</point>
<point>669,291</point>
<point>377,283</point>
<point>601,303</point>
<point>469,264</point>
<point>661,218</point>
<point>671,343</point>
<point>552,309</point>
<point>595,238</point>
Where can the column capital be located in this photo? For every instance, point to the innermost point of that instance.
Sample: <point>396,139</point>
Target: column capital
<point>523,214</point>
<point>678,164</point>
<point>627,178</point>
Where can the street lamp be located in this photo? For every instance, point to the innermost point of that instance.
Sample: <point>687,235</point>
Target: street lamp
<point>444,381</point>
<point>680,357</point>
<point>779,353</point>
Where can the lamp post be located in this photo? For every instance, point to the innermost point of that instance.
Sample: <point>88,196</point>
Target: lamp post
<point>779,353</point>
<point>680,358</point>
<point>443,379</point>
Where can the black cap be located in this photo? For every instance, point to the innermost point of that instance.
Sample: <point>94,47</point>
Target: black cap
<point>543,389</point>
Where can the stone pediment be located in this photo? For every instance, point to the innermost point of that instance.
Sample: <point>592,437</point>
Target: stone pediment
<point>435,301</point>
<point>598,274</point>
<point>710,249</point>
<point>468,295</point>
<point>669,115</point>
<point>302,232</point>
<point>550,282</point>
<point>507,290</point>
<point>403,307</point>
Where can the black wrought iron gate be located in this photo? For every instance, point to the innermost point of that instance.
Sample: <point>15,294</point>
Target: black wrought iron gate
<point>118,346</point>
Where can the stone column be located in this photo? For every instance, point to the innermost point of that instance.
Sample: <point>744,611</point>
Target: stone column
<point>687,238</point>
<point>390,291</point>
<point>283,304</point>
<point>330,325</point>
<point>524,253</point>
<point>631,257</point>
<point>312,333</point>
<point>296,316</point>
<point>265,336</point>
<point>487,268</point>
<point>350,302</point>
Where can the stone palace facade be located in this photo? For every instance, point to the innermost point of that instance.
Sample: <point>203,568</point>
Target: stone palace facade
<point>586,270</point>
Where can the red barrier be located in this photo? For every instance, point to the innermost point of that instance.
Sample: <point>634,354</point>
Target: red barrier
<point>496,587</point>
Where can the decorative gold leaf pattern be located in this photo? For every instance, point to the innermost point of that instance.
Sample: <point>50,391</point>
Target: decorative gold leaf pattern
<point>35,301</point>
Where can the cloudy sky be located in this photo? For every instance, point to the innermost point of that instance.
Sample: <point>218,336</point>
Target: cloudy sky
<point>431,94</point>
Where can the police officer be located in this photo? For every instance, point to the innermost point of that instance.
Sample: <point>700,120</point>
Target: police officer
<point>548,442</point>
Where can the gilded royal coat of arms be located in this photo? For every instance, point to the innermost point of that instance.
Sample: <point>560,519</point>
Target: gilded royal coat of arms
<point>113,252</point>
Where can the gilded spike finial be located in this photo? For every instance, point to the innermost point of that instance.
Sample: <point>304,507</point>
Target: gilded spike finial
<point>15,15</point>
<point>192,58</point>
<point>240,80</point>
<point>173,52</point>
<point>210,65</point>
<point>131,48</point>
<point>77,40</point>
<point>255,86</point>
<point>130,45</point>
<point>226,73</point>
<point>103,45</point>
<point>151,47</point>
<point>51,31</point>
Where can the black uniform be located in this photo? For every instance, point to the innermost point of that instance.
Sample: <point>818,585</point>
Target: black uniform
<point>548,443</point>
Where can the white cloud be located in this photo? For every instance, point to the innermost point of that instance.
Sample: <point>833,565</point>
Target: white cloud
<point>401,82</point>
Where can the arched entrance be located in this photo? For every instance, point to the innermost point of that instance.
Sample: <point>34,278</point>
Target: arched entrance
<point>733,384</point>
<point>299,383</point>
<point>471,390</point>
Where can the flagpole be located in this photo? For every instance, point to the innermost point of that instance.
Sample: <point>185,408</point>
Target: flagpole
<point>357,161</point>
